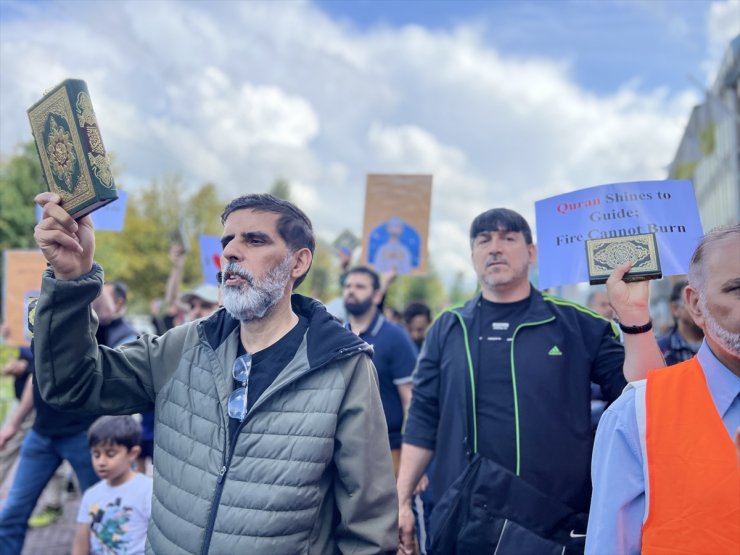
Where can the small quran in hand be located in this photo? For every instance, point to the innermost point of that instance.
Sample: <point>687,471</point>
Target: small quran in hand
<point>604,255</point>
<point>70,147</point>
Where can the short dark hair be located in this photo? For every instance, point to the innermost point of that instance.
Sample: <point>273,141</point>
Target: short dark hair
<point>293,225</point>
<point>119,430</point>
<point>368,272</point>
<point>394,312</point>
<point>120,291</point>
<point>500,219</point>
<point>416,309</point>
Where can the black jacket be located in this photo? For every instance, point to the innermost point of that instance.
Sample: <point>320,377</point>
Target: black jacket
<point>559,349</point>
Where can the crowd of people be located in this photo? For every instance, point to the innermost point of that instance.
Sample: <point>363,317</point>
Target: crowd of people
<point>276,426</point>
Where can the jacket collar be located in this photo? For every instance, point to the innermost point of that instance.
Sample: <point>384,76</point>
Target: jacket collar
<point>539,309</point>
<point>374,328</point>
<point>326,337</point>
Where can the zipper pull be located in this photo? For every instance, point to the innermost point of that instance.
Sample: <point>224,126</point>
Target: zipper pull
<point>221,474</point>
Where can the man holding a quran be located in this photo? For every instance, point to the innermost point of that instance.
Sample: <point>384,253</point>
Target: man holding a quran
<point>269,435</point>
<point>501,399</point>
<point>269,429</point>
<point>666,474</point>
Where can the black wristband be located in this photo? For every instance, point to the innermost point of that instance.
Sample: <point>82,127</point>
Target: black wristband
<point>636,329</point>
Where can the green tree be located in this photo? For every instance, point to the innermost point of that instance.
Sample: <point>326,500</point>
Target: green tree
<point>427,288</point>
<point>281,189</point>
<point>203,210</point>
<point>323,277</point>
<point>139,255</point>
<point>458,292</point>
<point>21,180</point>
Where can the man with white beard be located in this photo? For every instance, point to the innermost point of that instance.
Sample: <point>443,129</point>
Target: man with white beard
<point>665,472</point>
<point>269,432</point>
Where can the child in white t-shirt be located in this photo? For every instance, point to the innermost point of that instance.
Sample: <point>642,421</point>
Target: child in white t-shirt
<point>114,513</point>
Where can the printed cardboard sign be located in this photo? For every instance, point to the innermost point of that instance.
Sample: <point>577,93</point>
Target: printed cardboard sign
<point>396,224</point>
<point>22,270</point>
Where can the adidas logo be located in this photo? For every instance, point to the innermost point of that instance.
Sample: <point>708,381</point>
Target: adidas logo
<point>555,352</point>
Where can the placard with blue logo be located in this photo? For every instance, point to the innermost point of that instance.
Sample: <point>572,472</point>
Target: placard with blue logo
<point>565,222</point>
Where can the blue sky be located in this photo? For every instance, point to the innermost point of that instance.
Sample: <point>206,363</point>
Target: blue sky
<point>654,42</point>
<point>504,103</point>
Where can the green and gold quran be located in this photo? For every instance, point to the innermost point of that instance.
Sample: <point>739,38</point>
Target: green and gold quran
<point>70,147</point>
<point>604,255</point>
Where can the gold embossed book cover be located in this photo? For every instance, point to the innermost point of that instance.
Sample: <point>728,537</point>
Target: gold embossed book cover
<point>70,147</point>
<point>604,255</point>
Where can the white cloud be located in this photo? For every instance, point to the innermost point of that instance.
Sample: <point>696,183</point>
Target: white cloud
<point>241,117</point>
<point>242,93</point>
<point>456,190</point>
<point>723,25</point>
<point>305,196</point>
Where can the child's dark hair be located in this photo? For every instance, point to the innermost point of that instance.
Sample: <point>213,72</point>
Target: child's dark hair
<point>119,430</point>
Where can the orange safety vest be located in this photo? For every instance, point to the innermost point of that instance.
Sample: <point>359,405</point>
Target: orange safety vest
<point>693,480</point>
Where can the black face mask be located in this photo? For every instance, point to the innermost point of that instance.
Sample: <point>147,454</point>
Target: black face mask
<point>358,309</point>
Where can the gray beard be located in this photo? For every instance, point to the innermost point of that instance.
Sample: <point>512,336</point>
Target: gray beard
<point>729,341</point>
<point>252,300</point>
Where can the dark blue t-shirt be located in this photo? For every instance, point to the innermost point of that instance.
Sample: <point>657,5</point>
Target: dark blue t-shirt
<point>394,357</point>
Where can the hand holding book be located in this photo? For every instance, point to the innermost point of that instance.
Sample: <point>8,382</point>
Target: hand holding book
<point>68,245</point>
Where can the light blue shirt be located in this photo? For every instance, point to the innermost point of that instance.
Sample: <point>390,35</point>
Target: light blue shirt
<point>617,470</point>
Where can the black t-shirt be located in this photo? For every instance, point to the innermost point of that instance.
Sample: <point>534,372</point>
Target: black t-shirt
<point>19,382</point>
<point>267,364</point>
<point>493,381</point>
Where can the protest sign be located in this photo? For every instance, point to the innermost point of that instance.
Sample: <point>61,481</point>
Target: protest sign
<point>396,223</point>
<point>22,271</point>
<point>110,217</point>
<point>346,242</point>
<point>565,222</point>
<point>210,257</point>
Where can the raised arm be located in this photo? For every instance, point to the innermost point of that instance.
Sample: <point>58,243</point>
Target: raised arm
<point>73,372</point>
<point>631,303</point>
<point>174,280</point>
<point>67,245</point>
